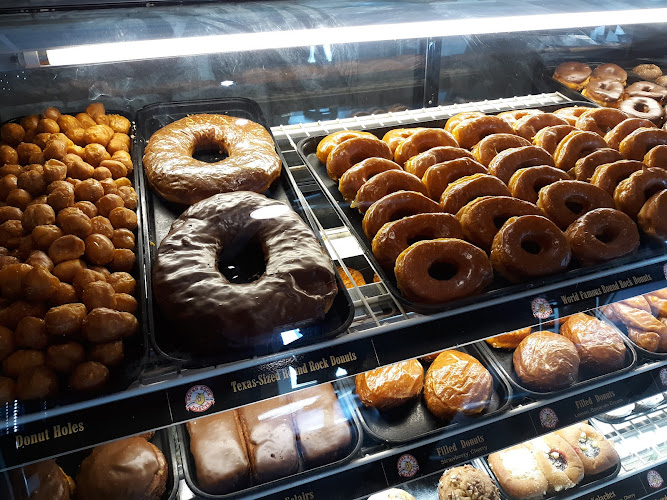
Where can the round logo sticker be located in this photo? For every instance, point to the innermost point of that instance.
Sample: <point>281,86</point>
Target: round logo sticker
<point>663,376</point>
<point>548,418</point>
<point>407,465</point>
<point>199,398</point>
<point>654,479</point>
<point>541,308</point>
<point>664,270</point>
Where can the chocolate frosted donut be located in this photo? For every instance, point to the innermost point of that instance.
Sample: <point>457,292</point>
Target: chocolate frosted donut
<point>644,108</point>
<point>647,89</point>
<point>565,201</point>
<point>610,71</point>
<point>252,165</point>
<point>605,92</point>
<point>297,285</point>
<point>572,74</point>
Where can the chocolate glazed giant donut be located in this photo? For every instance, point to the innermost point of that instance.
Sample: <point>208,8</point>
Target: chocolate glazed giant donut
<point>298,284</point>
<point>252,165</point>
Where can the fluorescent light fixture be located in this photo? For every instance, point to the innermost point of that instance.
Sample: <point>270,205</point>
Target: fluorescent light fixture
<point>246,42</point>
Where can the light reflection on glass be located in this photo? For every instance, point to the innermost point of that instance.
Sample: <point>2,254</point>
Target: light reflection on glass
<point>290,336</point>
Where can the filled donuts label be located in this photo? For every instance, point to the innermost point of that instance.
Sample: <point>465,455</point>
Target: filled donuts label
<point>199,398</point>
<point>548,418</point>
<point>541,308</point>
<point>407,465</point>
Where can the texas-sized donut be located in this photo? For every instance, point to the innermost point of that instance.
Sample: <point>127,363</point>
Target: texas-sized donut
<point>329,143</point>
<point>439,176</point>
<point>652,218</point>
<point>565,201</point>
<point>549,137</point>
<point>528,247</point>
<point>614,137</point>
<point>395,206</point>
<point>486,149</point>
<point>396,236</point>
<point>641,141</point>
<point>419,164</point>
<point>608,176</point>
<point>352,180</point>
<point>526,183</point>
<point>470,132</point>
<point>462,191</point>
<point>632,193</point>
<point>441,270</point>
<point>528,126</point>
<point>386,183</point>
<point>576,145</point>
<point>348,153</point>
<point>297,286</point>
<point>252,164</point>
<point>421,141</point>
<point>601,235</point>
<point>509,161</point>
<point>585,167</point>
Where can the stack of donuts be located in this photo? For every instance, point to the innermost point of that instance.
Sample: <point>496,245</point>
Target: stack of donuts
<point>67,238</point>
<point>520,193</point>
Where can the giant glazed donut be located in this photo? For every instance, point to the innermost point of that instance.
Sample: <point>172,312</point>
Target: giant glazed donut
<point>252,164</point>
<point>298,284</point>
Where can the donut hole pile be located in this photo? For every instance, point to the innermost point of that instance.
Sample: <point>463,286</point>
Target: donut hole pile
<point>520,194</point>
<point>67,246</point>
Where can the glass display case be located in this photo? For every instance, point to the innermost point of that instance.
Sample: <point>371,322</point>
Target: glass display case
<point>151,350</point>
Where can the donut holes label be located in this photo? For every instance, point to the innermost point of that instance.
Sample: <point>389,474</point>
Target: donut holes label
<point>541,308</point>
<point>407,465</point>
<point>654,479</point>
<point>548,418</point>
<point>199,398</point>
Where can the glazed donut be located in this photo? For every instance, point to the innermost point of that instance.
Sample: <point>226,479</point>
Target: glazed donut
<point>652,218</point>
<point>329,143</point>
<point>647,89</point>
<point>570,114</point>
<point>455,120</point>
<point>632,193</point>
<point>528,247</point>
<point>644,108</point>
<point>656,157</point>
<point>549,137</point>
<point>604,92</point>
<point>439,176</point>
<point>565,201</point>
<point>601,235</point>
<point>610,71</point>
<point>252,165</point>
<point>614,137</point>
<point>572,74</point>
<point>462,191</point>
<point>419,164</point>
<point>350,152</point>
<point>526,183</point>
<point>509,161</point>
<point>530,125</point>
<point>396,136</point>
<point>486,149</point>
<point>585,167</point>
<point>298,284</point>
<point>395,206</point>
<point>600,120</point>
<point>576,145</point>
<point>396,236</point>
<point>417,265</point>
<point>470,132</point>
<point>511,117</point>
<point>641,141</point>
<point>386,183</point>
<point>483,217</point>
<point>647,71</point>
<point>609,175</point>
<point>352,180</point>
<point>421,141</point>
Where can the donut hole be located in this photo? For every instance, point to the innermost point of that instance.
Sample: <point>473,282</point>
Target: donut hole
<point>209,152</point>
<point>400,214</point>
<point>419,237</point>
<point>607,234</point>
<point>500,220</point>
<point>574,206</point>
<point>640,107</point>
<point>530,246</point>
<point>651,190</point>
<point>442,271</point>
<point>243,263</point>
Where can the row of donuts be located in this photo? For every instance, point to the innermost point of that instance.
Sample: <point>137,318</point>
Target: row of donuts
<point>67,240</point>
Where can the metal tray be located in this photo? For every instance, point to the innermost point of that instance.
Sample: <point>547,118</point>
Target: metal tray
<point>159,214</point>
<point>189,468</point>
<point>413,420</point>
<point>502,359</point>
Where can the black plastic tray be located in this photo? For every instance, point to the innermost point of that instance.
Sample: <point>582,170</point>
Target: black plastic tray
<point>413,420</point>
<point>189,468</point>
<point>159,214</point>
<point>643,353</point>
<point>502,359</point>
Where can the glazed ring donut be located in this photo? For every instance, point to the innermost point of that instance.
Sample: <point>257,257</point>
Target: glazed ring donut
<point>526,183</point>
<point>641,141</point>
<point>595,452</point>
<point>396,136</point>
<point>558,462</point>
<point>644,108</point>
<point>604,92</point>
<point>509,161</point>
<point>549,137</point>
<point>470,132</point>
<point>455,120</point>
<point>600,120</point>
<point>395,206</point>
<point>585,167</point>
<point>601,235</point>
<point>530,125</point>
<point>649,90</point>
<point>386,183</point>
<point>565,201</point>
<point>614,137</point>
<point>652,218</point>
<point>419,164</point>
<point>632,193</point>
<point>482,218</point>
<point>609,175</point>
<point>656,157</point>
<point>576,145</point>
<point>348,153</point>
<point>421,141</point>
<point>329,143</point>
<point>298,284</point>
<point>486,149</point>
<point>417,265</point>
<point>529,246</point>
<point>462,191</point>
<point>396,236</point>
<point>610,71</point>
<point>352,180</point>
<point>252,165</point>
<point>571,113</point>
<point>511,117</point>
<point>439,176</point>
